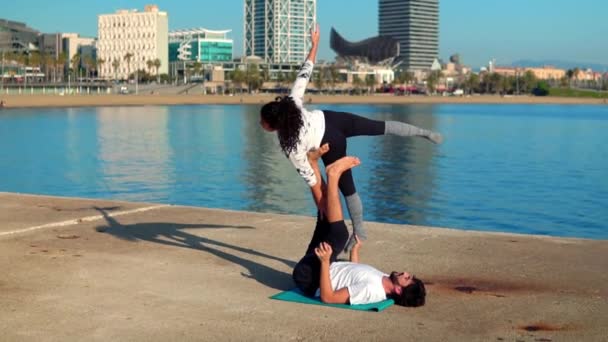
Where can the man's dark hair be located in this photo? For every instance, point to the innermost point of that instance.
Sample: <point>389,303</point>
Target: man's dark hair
<point>284,115</point>
<point>412,295</point>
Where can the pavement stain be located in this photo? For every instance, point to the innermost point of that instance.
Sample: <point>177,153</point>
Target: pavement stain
<point>541,326</point>
<point>67,236</point>
<point>472,286</point>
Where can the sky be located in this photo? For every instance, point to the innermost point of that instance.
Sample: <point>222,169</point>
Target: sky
<point>479,30</point>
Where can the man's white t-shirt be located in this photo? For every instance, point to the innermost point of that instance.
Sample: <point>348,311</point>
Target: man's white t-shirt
<point>364,282</point>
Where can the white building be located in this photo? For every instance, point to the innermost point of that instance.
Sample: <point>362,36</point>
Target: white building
<point>144,35</point>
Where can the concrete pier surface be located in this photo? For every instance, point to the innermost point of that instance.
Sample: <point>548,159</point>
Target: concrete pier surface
<point>96,270</point>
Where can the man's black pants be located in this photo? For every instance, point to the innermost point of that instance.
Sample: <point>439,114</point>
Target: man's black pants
<point>306,274</point>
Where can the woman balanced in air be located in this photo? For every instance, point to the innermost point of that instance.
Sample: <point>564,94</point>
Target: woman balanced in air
<point>300,130</point>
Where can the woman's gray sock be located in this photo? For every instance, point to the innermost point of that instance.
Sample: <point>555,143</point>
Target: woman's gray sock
<point>406,130</point>
<point>355,210</point>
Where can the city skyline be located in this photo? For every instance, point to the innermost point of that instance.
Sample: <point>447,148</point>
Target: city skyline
<point>507,32</point>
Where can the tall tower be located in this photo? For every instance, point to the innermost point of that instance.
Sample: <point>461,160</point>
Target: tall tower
<point>415,24</point>
<point>278,30</point>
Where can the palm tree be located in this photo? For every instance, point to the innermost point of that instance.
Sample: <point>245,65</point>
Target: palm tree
<point>100,63</point>
<point>128,56</point>
<point>252,77</point>
<point>60,63</point>
<point>319,79</point>
<point>34,60</point>
<point>265,73</point>
<point>157,64</point>
<point>87,61</point>
<point>115,66</point>
<point>150,65</point>
<point>529,81</point>
<point>357,83</point>
<point>471,83</point>
<point>495,81</point>
<point>48,64</point>
<point>280,80</point>
<point>576,72</point>
<point>405,77</point>
<point>334,76</point>
<point>75,62</point>
<point>238,77</point>
<point>432,80</point>
<point>370,82</point>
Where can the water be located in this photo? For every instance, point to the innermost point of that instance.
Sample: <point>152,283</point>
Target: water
<point>536,169</point>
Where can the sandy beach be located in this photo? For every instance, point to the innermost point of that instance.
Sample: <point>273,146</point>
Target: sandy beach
<point>23,101</point>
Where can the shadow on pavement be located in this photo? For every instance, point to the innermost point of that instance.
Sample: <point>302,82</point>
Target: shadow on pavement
<point>171,234</point>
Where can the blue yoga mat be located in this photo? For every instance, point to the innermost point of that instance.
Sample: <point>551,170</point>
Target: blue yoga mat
<point>297,296</point>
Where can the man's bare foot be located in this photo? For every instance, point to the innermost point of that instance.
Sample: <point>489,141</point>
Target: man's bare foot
<point>315,155</point>
<point>343,164</point>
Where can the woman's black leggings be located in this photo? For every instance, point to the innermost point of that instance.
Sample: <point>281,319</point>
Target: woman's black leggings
<point>338,127</point>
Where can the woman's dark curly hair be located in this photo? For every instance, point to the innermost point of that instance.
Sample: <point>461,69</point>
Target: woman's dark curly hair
<point>284,115</point>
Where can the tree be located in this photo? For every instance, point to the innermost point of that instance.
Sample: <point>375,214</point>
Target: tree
<point>319,79</point>
<point>75,62</point>
<point>60,63</point>
<point>280,80</point>
<point>157,64</point>
<point>265,73</point>
<point>471,84</point>
<point>88,63</point>
<point>115,66</point>
<point>495,82</point>
<point>334,76</point>
<point>405,77</point>
<point>370,82</point>
<point>357,83</point>
<point>100,63</point>
<point>33,60</point>
<point>128,56</point>
<point>48,62</point>
<point>575,73</point>
<point>252,77</point>
<point>569,75</point>
<point>238,77</point>
<point>150,65</point>
<point>528,82</point>
<point>432,80</point>
<point>542,89</point>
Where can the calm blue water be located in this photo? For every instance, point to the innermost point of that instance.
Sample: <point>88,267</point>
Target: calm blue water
<point>539,169</point>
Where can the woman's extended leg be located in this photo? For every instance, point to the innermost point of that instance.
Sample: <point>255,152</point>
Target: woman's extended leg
<point>352,125</point>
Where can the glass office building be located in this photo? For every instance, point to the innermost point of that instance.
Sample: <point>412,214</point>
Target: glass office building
<point>200,45</point>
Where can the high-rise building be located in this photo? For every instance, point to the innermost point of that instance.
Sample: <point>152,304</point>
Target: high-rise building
<point>143,35</point>
<point>415,24</point>
<point>278,30</point>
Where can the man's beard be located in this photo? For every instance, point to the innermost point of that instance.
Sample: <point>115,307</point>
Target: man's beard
<point>394,275</point>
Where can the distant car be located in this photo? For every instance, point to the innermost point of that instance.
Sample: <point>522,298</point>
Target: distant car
<point>458,92</point>
<point>124,90</point>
